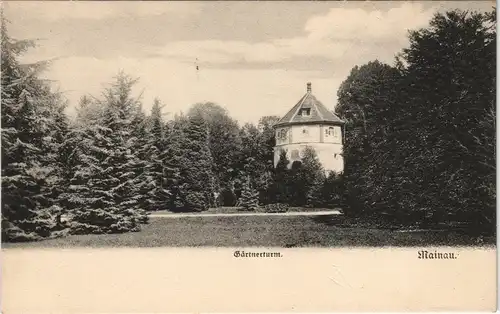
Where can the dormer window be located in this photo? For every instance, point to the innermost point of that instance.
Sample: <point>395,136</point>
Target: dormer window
<point>305,112</point>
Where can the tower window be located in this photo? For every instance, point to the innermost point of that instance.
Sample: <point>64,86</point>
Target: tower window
<point>305,112</point>
<point>282,134</point>
<point>305,131</point>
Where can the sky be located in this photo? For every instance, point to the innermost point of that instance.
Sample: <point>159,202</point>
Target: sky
<point>253,58</point>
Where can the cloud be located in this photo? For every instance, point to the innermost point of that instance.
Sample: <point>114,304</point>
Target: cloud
<point>330,44</point>
<point>54,11</point>
<point>217,51</point>
<point>345,24</point>
<point>247,94</point>
<point>341,33</point>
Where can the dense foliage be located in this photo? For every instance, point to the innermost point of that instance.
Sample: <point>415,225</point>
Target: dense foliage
<point>249,199</point>
<point>34,129</point>
<point>420,137</point>
<point>419,146</point>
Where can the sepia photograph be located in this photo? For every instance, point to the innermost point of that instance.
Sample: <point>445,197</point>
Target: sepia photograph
<point>259,129</point>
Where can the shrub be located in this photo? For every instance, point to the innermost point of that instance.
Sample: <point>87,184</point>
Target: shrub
<point>276,208</point>
<point>249,199</point>
<point>227,197</point>
<point>196,201</point>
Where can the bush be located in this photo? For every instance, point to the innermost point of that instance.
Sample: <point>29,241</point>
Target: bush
<point>276,208</point>
<point>196,201</point>
<point>227,197</point>
<point>249,199</point>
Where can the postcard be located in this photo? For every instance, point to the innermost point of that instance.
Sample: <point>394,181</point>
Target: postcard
<point>214,156</point>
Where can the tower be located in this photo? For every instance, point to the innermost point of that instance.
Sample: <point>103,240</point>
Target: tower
<point>310,123</point>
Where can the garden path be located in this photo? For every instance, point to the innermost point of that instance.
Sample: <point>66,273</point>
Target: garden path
<point>180,215</point>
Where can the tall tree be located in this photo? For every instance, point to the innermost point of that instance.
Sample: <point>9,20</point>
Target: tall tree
<point>280,189</point>
<point>333,190</point>
<point>139,162</point>
<point>191,179</point>
<point>368,102</point>
<point>266,157</point>
<point>252,163</point>
<point>419,138</point>
<point>103,193</point>
<point>249,196</point>
<point>224,140</point>
<point>32,131</point>
<point>304,174</point>
<point>450,84</point>
<point>157,194</point>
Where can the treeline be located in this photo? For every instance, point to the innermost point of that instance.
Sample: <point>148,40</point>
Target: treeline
<point>104,170</point>
<point>419,146</point>
<point>420,135</point>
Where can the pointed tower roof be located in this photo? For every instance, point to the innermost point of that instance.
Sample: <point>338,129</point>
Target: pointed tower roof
<point>309,110</point>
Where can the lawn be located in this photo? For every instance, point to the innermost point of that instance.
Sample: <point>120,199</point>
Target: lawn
<point>267,231</point>
<point>233,210</point>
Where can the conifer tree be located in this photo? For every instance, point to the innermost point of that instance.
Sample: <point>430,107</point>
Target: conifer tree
<point>88,111</point>
<point>224,140</point>
<point>332,190</point>
<point>103,186</point>
<point>315,196</point>
<point>30,135</point>
<point>249,199</point>
<point>93,191</point>
<point>139,161</point>
<point>311,165</point>
<point>122,109</point>
<point>190,164</point>
<point>303,175</point>
<point>280,186</point>
<point>157,192</point>
<point>171,160</point>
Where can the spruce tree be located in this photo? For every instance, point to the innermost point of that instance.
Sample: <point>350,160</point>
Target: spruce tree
<point>139,162</point>
<point>302,176</point>
<point>315,196</point>
<point>224,141</point>
<point>171,161</point>
<point>121,111</point>
<point>103,188</point>
<point>280,187</point>
<point>157,193</point>
<point>332,190</point>
<point>92,193</point>
<point>190,164</point>
<point>249,199</point>
<point>30,135</point>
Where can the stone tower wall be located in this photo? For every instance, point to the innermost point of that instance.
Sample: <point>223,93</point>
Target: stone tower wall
<point>325,139</point>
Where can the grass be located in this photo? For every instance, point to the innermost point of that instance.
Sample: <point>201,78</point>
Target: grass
<point>233,210</point>
<point>264,231</point>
